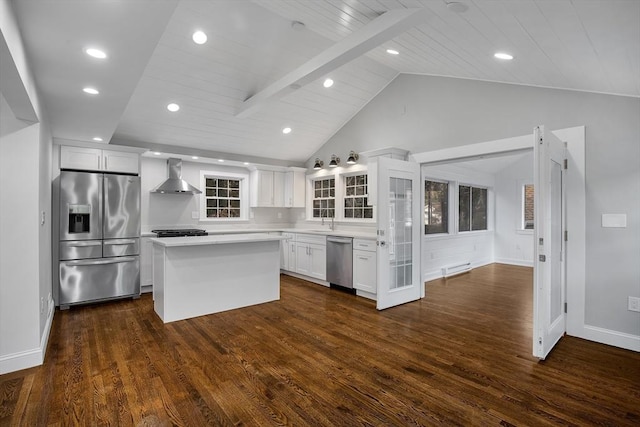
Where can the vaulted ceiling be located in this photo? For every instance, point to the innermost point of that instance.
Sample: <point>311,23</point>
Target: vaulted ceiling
<point>254,50</point>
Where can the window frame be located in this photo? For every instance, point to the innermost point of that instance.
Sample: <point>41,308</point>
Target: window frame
<point>343,198</point>
<point>487,203</point>
<point>450,216</point>
<point>244,194</point>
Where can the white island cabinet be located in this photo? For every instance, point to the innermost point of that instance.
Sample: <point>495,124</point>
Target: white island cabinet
<point>195,276</point>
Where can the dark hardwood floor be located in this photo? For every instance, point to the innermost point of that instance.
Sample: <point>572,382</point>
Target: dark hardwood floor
<point>461,356</point>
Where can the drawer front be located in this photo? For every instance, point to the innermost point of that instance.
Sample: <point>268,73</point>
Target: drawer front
<point>121,247</point>
<point>311,238</point>
<point>80,249</point>
<point>364,245</point>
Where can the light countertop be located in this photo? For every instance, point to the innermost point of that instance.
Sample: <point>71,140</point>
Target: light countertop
<point>215,239</point>
<point>318,231</point>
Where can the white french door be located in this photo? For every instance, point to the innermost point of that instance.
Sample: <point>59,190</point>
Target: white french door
<point>549,294</point>
<point>399,205</point>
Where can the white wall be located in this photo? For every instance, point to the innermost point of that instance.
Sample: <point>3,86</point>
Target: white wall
<point>476,247</point>
<point>425,113</point>
<point>25,195</point>
<point>512,244</point>
<point>174,210</point>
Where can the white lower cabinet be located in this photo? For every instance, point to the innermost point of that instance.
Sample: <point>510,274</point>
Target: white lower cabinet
<point>146,263</point>
<point>365,275</point>
<point>304,254</point>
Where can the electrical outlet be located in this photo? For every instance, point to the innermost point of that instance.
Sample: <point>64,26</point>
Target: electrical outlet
<point>251,214</point>
<point>634,304</point>
<point>279,215</point>
<point>195,215</point>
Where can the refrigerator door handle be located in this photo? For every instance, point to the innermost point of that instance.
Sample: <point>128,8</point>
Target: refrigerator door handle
<point>120,242</point>
<point>100,262</point>
<point>84,244</point>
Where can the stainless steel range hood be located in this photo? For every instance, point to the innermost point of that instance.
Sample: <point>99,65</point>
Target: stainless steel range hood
<point>175,184</point>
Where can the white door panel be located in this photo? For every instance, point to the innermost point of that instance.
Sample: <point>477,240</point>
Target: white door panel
<point>549,318</point>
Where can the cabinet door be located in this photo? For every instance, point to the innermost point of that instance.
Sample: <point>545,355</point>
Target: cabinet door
<point>364,271</point>
<point>80,158</point>
<point>146,261</point>
<point>294,189</point>
<point>292,256</point>
<point>284,255</point>
<point>278,189</point>
<point>261,189</point>
<point>116,161</point>
<point>303,259</point>
<point>318,261</point>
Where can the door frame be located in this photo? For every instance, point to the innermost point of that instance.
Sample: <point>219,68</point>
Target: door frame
<point>575,215</point>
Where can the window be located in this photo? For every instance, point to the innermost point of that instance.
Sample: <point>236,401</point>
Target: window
<point>224,196</point>
<point>436,207</point>
<point>472,208</point>
<point>355,198</point>
<point>527,207</point>
<point>324,198</point>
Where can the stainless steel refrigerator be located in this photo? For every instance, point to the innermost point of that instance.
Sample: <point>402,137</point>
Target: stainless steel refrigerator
<point>99,243</point>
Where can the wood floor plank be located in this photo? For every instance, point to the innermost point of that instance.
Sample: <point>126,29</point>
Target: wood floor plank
<point>318,356</point>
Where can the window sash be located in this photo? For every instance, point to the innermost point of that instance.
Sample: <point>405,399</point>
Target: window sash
<point>472,208</point>
<point>323,198</point>
<point>223,198</point>
<point>356,198</point>
<point>436,207</point>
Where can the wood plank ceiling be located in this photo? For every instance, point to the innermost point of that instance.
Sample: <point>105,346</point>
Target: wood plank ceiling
<point>588,45</point>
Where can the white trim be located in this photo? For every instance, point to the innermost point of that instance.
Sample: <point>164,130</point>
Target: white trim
<point>29,358</point>
<point>610,337</point>
<point>244,195</point>
<point>498,147</point>
<point>513,261</point>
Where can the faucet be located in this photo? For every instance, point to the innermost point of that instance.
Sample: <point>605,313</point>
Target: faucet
<point>332,226</point>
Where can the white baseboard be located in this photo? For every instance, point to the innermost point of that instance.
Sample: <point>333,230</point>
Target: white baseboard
<point>512,261</point>
<point>29,358</point>
<point>437,274</point>
<point>610,337</point>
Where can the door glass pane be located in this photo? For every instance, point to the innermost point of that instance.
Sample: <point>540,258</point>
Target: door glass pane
<point>400,225</point>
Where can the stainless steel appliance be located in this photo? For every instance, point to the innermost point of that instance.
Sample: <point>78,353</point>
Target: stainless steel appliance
<point>180,232</point>
<point>99,243</point>
<point>340,261</point>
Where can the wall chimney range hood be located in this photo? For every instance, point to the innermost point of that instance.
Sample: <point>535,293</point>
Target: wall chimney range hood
<point>175,184</point>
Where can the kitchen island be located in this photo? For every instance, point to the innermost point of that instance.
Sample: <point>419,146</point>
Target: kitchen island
<point>195,276</point>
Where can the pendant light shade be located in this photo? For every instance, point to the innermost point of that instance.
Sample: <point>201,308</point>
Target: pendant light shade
<point>318,165</point>
<point>335,161</point>
<point>353,158</point>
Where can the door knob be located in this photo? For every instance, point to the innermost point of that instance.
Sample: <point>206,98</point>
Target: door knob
<point>382,243</point>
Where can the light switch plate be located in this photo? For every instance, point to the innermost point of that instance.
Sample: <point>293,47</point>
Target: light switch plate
<point>634,304</point>
<point>614,220</point>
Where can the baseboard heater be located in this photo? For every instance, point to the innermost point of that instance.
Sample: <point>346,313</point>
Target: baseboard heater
<point>453,269</point>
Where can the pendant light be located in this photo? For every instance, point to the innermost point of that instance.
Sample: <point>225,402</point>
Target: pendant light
<point>335,161</point>
<point>353,158</point>
<point>318,165</point>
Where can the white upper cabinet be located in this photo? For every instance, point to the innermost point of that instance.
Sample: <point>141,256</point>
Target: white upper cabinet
<point>294,188</point>
<point>95,159</point>
<point>277,189</point>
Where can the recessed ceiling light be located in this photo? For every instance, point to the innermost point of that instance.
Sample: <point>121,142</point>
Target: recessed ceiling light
<point>328,83</point>
<point>199,37</point>
<point>221,160</point>
<point>195,157</point>
<point>157,153</point>
<point>96,53</point>
<point>286,130</point>
<point>392,52</point>
<point>246,163</point>
<point>173,107</point>
<point>97,138</point>
<point>90,91</point>
<point>502,55</point>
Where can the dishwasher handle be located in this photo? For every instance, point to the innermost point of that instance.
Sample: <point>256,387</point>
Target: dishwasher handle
<point>336,239</point>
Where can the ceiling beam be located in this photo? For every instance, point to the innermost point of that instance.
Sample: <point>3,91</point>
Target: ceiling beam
<point>380,30</point>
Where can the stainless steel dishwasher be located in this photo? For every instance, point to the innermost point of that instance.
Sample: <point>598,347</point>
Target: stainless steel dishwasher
<point>340,261</point>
